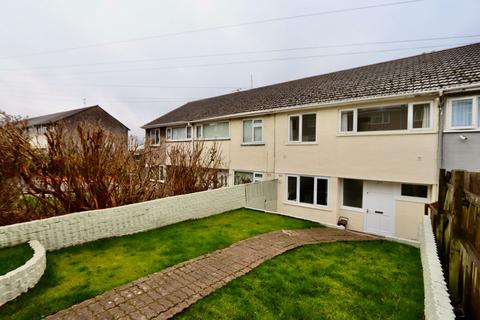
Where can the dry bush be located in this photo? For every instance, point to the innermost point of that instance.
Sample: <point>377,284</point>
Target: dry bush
<point>192,168</point>
<point>90,168</point>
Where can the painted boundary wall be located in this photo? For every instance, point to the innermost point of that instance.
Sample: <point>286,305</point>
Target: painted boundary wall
<point>437,299</point>
<point>77,228</point>
<point>18,281</point>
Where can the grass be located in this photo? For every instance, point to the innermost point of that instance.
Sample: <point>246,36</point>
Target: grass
<point>13,257</point>
<point>343,280</point>
<point>81,272</point>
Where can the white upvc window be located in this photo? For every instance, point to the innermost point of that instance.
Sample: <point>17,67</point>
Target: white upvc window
<point>242,177</point>
<point>155,137</point>
<point>463,113</point>
<point>198,132</point>
<point>252,131</point>
<point>302,128</point>
<point>179,133</point>
<point>400,117</point>
<point>307,190</point>
<point>213,131</point>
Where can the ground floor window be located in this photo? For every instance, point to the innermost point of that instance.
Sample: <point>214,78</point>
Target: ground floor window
<point>415,190</point>
<point>242,177</point>
<point>352,193</point>
<point>307,190</point>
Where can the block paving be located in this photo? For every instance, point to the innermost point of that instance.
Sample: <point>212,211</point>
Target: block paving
<point>164,294</point>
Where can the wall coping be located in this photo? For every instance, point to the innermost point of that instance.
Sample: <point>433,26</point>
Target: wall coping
<point>437,298</point>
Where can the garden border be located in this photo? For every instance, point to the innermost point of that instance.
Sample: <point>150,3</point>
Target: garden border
<point>18,281</point>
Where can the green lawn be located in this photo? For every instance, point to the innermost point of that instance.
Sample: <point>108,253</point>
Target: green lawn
<point>343,280</point>
<point>78,273</point>
<point>13,257</point>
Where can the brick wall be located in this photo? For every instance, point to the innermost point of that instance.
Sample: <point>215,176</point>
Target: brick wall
<point>76,228</point>
<point>25,277</point>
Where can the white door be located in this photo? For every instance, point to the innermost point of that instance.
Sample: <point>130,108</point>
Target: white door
<point>379,207</point>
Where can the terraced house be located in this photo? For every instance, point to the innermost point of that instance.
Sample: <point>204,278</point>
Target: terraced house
<point>364,144</point>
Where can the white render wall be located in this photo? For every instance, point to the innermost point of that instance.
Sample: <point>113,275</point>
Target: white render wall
<point>25,277</point>
<point>437,299</point>
<point>76,228</point>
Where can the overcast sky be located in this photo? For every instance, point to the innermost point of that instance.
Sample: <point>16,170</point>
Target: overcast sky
<point>139,60</point>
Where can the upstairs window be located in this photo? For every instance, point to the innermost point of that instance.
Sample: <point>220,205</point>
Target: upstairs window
<point>155,137</point>
<point>179,133</point>
<point>302,128</point>
<point>421,116</point>
<point>413,116</point>
<point>464,113</point>
<point>253,131</point>
<point>383,118</point>
<point>216,130</point>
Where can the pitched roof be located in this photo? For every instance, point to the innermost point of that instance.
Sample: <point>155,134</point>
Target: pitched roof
<point>54,117</point>
<point>429,71</point>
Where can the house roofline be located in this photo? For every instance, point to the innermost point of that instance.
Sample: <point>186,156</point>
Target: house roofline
<point>416,93</point>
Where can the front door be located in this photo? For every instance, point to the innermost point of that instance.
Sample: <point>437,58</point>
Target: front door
<point>379,207</point>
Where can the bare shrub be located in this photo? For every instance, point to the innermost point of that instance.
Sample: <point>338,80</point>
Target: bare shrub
<point>192,168</point>
<point>90,168</point>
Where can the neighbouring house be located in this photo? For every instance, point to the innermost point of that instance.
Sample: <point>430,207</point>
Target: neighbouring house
<point>361,144</point>
<point>37,126</point>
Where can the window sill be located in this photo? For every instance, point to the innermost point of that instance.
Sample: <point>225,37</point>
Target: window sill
<point>252,144</point>
<point>291,143</point>
<point>461,130</point>
<point>174,141</point>
<point>352,209</point>
<point>310,206</point>
<point>386,133</point>
<point>412,199</point>
<point>217,139</point>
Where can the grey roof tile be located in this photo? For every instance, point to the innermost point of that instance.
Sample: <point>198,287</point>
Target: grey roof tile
<point>429,71</point>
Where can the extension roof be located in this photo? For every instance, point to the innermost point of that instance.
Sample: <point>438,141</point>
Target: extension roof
<point>424,72</point>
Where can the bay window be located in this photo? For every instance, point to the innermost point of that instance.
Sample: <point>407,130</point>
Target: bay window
<point>307,190</point>
<point>302,128</point>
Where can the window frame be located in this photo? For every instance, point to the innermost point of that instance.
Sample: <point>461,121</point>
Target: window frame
<point>254,174</point>
<point>355,119</point>
<point>211,139</point>
<point>349,208</point>
<point>253,142</point>
<point>409,119</point>
<point>169,134</point>
<point>300,128</point>
<point>475,125</point>
<point>152,133</point>
<point>412,198</point>
<point>315,186</point>
<point>199,129</point>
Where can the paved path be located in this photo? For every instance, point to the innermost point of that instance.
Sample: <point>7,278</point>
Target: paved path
<point>164,294</point>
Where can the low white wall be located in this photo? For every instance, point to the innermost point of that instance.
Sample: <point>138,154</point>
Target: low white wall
<point>437,299</point>
<point>76,228</point>
<point>25,277</point>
